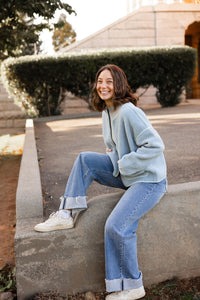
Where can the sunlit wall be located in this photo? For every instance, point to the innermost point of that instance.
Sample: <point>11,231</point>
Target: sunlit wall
<point>135,4</point>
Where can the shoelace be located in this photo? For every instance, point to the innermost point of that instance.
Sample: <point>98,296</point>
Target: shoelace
<point>52,215</point>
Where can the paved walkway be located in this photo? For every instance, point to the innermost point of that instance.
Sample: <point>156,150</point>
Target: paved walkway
<point>59,141</point>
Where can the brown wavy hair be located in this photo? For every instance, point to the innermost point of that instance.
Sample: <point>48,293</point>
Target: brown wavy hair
<point>122,90</point>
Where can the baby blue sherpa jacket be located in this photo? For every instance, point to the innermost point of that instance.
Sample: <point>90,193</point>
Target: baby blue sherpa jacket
<point>137,149</point>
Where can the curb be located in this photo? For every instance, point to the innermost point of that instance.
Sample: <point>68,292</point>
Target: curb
<point>29,193</point>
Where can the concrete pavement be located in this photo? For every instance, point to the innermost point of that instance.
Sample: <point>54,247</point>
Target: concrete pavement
<point>59,141</point>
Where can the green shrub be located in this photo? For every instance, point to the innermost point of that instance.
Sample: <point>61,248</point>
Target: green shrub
<point>7,279</point>
<point>36,81</point>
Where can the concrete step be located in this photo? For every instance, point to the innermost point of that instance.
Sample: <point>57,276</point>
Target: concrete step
<point>166,245</point>
<point>12,114</point>
<point>6,124</point>
<point>9,106</point>
<point>5,98</point>
<point>12,119</point>
<point>4,95</point>
<point>2,89</point>
<point>73,104</point>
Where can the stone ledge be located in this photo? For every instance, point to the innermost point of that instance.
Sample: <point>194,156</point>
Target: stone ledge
<point>72,261</point>
<point>29,194</point>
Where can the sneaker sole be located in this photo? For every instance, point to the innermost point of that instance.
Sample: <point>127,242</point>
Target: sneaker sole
<point>140,296</point>
<point>54,228</point>
<point>129,297</point>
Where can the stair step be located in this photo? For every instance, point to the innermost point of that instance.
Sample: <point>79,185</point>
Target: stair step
<point>8,106</point>
<point>12,114</point>
<point>12,120</point>
<point>73,104</point>
<point>2,89</point>
<point>4,97</point>
<point>12,123</point>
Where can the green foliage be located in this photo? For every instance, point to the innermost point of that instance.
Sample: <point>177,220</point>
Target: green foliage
<point>36,80</point>
<point>17,28</point>
<point>63,33</point>
<point>190,296</point>
<point>175,289</point>
<point>7,279</point>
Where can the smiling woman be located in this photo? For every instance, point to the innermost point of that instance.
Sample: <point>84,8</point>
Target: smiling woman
<point>111,88</point>
<point>105,88</point>
<point>134,162</point>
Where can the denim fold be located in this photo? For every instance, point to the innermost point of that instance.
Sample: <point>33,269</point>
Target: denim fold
<point>120,284</point>
<point>77,204</point>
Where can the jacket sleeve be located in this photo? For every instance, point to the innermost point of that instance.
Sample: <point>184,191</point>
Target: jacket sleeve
<point>148,145</point>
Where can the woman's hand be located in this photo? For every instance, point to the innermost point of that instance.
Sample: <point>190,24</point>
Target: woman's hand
<point>109,150</point>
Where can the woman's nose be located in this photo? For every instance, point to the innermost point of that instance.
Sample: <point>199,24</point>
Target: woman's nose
<point>103,84</point>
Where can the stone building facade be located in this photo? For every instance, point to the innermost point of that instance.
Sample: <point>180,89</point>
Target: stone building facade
<point>161,24</point>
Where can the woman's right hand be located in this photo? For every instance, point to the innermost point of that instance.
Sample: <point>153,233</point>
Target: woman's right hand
<point>108,150</point>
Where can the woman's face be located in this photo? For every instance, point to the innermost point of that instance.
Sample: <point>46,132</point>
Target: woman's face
<point>105,87</point>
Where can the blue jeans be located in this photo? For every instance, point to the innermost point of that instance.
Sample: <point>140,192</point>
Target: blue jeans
<point>122,270</point>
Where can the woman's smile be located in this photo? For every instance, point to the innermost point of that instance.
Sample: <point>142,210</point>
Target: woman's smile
<point>105,87</point>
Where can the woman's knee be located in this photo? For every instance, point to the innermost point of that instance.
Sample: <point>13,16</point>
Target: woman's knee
<point>90,159</point>
<point>120,228</point>
<point>83,156</point>
<point>111,227</point>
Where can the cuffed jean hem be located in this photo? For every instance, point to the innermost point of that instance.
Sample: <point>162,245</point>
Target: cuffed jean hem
<point>76,204</point>
<point>121,284</point>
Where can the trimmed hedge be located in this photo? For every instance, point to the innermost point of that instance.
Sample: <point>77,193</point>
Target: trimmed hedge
<point>36,81</point>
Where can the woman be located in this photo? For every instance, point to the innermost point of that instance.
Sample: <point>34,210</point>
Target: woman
<point>134,161</point>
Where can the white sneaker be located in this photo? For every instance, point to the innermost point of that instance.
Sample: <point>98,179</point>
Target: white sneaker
<point>55,222</point>
<point>127,294</point>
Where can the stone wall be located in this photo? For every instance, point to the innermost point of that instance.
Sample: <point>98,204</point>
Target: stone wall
<point>159,25</point>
